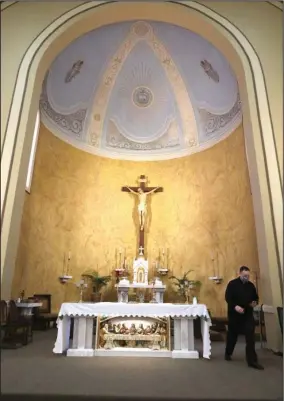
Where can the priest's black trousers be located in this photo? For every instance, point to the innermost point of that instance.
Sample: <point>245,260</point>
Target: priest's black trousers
<point>246,326</point>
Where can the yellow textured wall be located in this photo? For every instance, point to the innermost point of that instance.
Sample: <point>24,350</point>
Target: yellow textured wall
<point>76,204</point>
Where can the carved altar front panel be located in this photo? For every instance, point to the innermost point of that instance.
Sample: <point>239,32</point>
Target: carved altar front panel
<point>121,332</point>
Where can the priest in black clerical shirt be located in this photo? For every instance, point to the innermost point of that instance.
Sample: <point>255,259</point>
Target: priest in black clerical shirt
<point>241,297</point>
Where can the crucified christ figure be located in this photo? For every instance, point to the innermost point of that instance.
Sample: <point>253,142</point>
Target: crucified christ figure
<point>142,205</point>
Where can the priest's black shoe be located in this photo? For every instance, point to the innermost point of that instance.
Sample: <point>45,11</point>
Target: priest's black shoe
<point>228,357</point>
<point>256,366</point>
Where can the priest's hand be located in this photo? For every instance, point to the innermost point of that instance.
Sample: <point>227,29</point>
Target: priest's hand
<point>239,309</point>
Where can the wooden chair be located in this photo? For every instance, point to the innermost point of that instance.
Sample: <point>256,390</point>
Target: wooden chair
<point>43,316</point>
<point>280,317</point>
<point>4,316</point>
<point>18,328</point>
<point>260,333</point>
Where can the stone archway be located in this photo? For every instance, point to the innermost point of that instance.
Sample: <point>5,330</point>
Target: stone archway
<point>262,161</point>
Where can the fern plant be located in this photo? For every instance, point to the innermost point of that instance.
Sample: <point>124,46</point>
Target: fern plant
<point>98,282</point>
<point>183,283</point>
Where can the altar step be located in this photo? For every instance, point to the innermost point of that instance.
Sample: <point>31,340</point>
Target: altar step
<point>136,352</point>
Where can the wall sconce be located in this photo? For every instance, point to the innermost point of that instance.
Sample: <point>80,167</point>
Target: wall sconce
<point>216,280</point>
<point>163,272</point>
<point>64,279</point>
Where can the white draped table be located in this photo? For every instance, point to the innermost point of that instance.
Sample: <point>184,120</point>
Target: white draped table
<point>84,314</point>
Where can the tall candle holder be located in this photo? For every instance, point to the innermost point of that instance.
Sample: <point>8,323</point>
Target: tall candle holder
<point>161,267</point>
<point>121,269</point>
<point>65,277</point>
<point>215,278</point>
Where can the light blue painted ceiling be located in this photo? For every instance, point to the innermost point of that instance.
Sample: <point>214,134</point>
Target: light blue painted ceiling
<point>141,90</point>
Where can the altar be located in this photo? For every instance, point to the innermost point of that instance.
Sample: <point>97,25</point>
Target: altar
<point>125,329</point>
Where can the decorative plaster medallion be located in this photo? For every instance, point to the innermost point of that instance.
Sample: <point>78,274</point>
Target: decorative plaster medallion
<point>141,28</point>
<point>142,97</point>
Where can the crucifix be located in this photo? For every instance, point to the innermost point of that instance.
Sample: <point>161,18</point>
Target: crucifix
<point>142,192</point>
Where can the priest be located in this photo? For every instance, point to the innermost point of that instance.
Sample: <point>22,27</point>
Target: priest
<point>241,297</point>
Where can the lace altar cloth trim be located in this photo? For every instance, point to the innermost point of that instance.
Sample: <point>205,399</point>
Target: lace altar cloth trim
<point>114,309</point>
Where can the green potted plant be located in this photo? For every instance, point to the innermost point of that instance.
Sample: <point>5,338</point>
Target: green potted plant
<point>98,283</point>
<point>184,285</point>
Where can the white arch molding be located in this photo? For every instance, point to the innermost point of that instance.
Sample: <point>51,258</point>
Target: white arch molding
<point>265,182</point>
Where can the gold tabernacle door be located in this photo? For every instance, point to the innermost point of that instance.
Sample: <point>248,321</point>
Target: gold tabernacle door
<point>133,332</point>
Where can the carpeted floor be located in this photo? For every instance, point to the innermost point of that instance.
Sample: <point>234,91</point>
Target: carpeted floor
<point>36,370</point>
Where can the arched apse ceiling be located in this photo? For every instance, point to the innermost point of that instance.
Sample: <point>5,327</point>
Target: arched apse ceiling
<point>141,90</point>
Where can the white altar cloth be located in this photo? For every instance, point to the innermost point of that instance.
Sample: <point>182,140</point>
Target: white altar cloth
<point>179,312</point>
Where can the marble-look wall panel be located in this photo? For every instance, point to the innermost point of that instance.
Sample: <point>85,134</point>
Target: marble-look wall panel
<point>76,204</point>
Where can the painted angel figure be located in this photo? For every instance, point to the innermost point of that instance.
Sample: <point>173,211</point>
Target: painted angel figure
<point>209,70</point>
<point>75,70</point>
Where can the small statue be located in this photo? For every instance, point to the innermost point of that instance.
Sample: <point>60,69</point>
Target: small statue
<point>132,329</point>
<point>148,330</point>
<point>103,331</point>
<point>163,334</point>
<point>154,328</point>
<point>140,329</point>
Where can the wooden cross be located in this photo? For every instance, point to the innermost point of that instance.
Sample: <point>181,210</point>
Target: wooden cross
<point>147,190</point>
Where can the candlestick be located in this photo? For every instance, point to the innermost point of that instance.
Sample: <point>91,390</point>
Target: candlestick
<point>120,258</point>
<point>63,264</point>
<point>213,265</point>
<point>168,255</point>
<point>217,266</point>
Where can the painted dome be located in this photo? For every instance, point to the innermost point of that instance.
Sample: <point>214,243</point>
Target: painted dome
<point>141,90</point>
